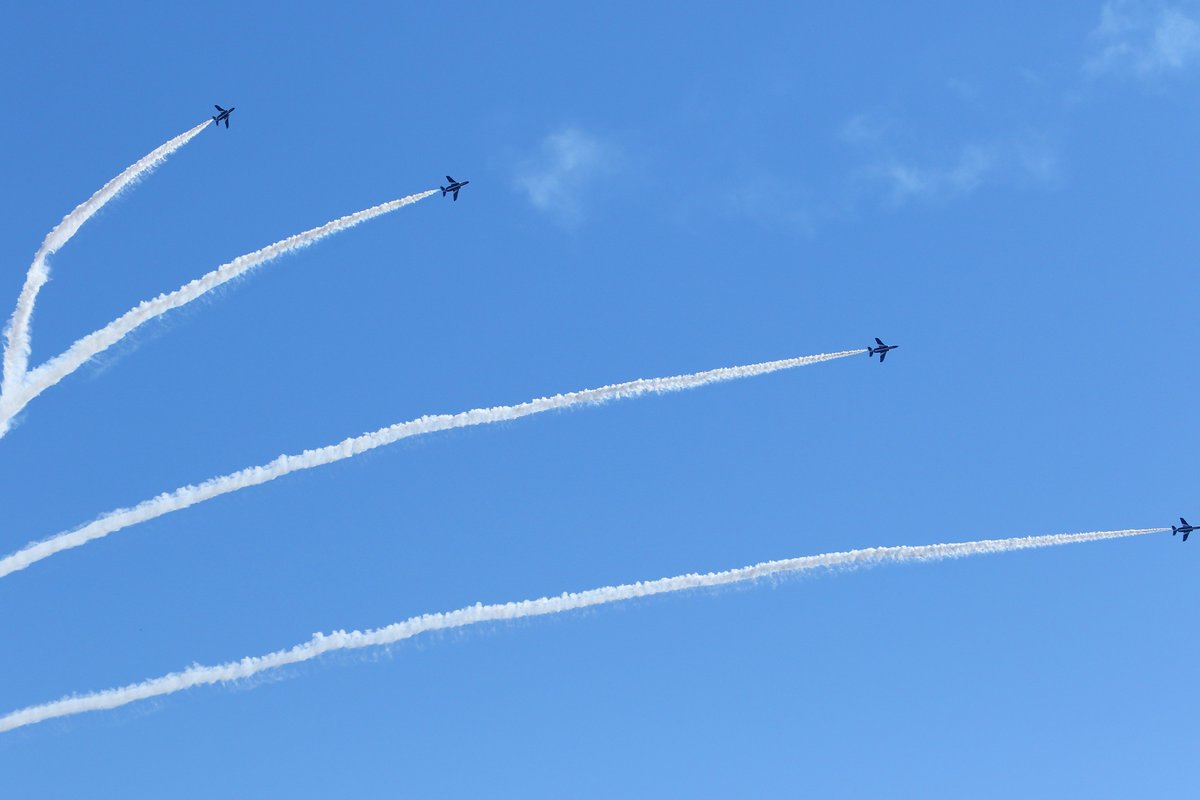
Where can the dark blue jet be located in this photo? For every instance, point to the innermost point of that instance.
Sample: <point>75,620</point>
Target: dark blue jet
<point>453,187</point>
<point>1184,528</point>
<point>223,115</point>
<point>880,351</point>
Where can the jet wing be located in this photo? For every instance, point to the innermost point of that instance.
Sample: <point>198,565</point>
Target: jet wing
<point>882,356</point>
<point>1184,521</point>
<point>1186,535</point>
<point>227,122</point>
<point>456,194</point>
<point>879,342</point>
<point>451,179</point>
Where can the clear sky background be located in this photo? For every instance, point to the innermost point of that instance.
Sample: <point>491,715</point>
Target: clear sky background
<point>1011,194</point>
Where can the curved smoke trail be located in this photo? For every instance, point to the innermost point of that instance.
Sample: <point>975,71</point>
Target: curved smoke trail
<point>253,476</point>
<point>59,367</point>
<point>16,354</point>
<point>322,643</point>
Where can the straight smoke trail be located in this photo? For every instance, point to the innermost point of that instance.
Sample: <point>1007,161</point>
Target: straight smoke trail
<point>322,643</point>
<point>59,367</point>
<point>253,476</point>
<point>16,354</point>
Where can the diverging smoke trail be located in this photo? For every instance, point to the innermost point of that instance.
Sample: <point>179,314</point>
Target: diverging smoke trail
<point>322,643</point>
<point>252,476</point>
<point>59,367</point>
<point>16,354</point>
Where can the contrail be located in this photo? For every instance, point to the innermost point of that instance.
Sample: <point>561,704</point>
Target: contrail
<point>252,476</point>
<point>322,643</point>
<point>59,367</point>
<point>16,354</point>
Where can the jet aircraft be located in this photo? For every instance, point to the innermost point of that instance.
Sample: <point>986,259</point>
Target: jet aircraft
<point>881,350</point>
<point>453,187</point>
<point>1184,528</point>
<point>222,115</point>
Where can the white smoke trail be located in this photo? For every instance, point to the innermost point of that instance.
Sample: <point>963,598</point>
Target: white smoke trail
<point>252,476</point>
<point>16,354</point>
<point>59,367</point>
<point>322,643</point>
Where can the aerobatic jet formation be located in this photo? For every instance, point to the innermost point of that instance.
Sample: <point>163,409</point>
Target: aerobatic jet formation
<point>223,114</point>
<point>1183,528</point>
<point>881,350</point>
<point>453,187</point>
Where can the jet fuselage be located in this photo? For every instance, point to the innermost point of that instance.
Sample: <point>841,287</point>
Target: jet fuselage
<point>223,115</point>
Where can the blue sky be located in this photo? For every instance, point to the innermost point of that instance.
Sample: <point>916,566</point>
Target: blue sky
<point>1007,193</point>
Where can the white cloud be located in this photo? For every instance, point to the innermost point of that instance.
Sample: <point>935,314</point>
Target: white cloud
<point>1019,160</point>
<point>963,176</point>
<point>899,163</point>
<point>864,128</point>
<point>1144,39</point>
<point>771,202</point>
<point>568,162</point>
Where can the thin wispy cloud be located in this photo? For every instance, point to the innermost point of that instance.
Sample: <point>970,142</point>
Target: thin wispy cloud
<point>768,201</point>
<point>568,163</point>
<point>964,175</point>
<point>865,128</point>
<point>889,163</point>
<point>1016,160</point>
<point>1145,39</point>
